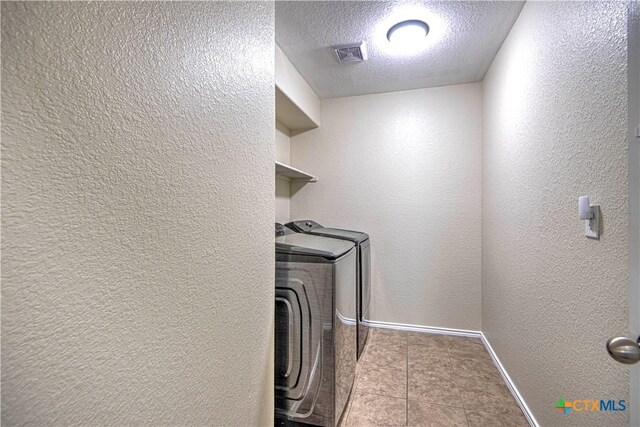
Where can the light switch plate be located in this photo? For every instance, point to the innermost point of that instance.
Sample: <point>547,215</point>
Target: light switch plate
<point>592,226</point>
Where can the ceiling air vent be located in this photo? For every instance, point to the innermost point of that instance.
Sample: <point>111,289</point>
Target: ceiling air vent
<point>356,52</point>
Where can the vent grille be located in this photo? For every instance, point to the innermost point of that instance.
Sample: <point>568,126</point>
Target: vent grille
<point>356,52</point>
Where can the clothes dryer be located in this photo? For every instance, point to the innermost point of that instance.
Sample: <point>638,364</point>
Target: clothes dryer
<point>363,288</point>
<point>315,332</point>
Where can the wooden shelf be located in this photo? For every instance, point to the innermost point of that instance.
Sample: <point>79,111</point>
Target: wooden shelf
<point>293,173</point>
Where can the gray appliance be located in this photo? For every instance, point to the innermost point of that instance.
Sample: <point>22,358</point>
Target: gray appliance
<point>363,288</point>
<point>315,328</point>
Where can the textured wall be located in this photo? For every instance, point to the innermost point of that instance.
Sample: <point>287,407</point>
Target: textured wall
<point>555,125</point>
<point>404,167</point>
<point>633,61</point>
<point>283,186</point>
<point>137,145</point>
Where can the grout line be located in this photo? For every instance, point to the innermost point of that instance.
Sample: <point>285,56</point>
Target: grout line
<point>352,397</point>
<point>443,404</point>
<point>466,417</point>
<point>490,411</point>
<point>455,383</point>
<point>381,395</point>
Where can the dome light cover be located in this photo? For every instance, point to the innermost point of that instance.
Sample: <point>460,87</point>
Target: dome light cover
<point>408,35</point>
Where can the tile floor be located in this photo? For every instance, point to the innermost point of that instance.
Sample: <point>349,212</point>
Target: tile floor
<point>420,379</point>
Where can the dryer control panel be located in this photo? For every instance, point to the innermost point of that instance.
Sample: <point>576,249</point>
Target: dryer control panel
<point>304,225</point>
<point>281,230</point>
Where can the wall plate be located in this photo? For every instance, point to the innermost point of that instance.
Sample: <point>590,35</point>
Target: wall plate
<point>592,226</point>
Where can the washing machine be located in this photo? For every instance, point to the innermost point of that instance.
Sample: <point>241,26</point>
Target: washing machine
<point>363,288</point>
<point>315,327</point>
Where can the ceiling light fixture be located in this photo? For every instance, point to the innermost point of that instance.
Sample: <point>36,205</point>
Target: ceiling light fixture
<point>409,35</point>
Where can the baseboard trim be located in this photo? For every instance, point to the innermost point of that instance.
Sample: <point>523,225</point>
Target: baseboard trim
<point>428,329</point>
<point>512,387</point>
<point>467,333</point>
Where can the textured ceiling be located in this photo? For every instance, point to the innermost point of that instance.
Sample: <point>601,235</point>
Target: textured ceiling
<point>463,39</point>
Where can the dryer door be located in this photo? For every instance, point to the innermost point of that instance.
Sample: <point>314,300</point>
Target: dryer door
<point>289,339</point>
<point>298,352</point>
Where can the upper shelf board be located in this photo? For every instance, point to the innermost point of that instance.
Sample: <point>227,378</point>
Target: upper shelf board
<point>292,116</point>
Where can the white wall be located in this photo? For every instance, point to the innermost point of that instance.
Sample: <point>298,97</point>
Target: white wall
<point>283,186</point>
<point>404,167</point>
<point>131,157</point>
<point>555,126</point>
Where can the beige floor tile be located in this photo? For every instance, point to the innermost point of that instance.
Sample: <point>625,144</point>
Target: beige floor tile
<point>433,389</point>
<point>465,341</point>
<point>421,354</point>
<point>430,415</point>
<point>388,338</point>
<point>470,353</point>
<point>385,356</point>
<point>469,382</point>
<point>390,332</point>
<point>424,363</point>
<point>420,349</point>
<point>467,372</point>
<point>484,419</point>
<point>430,340</point>
<point>494,398</point>
<point>430,366</point>
<point>485,362</point>
<point>467,348</point>
<point>376,410</point>
<point>383,380</point>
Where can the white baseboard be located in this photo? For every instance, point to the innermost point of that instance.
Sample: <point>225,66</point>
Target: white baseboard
<point>466,333</point>
<point>512,387</point>
<point>427,329</point>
